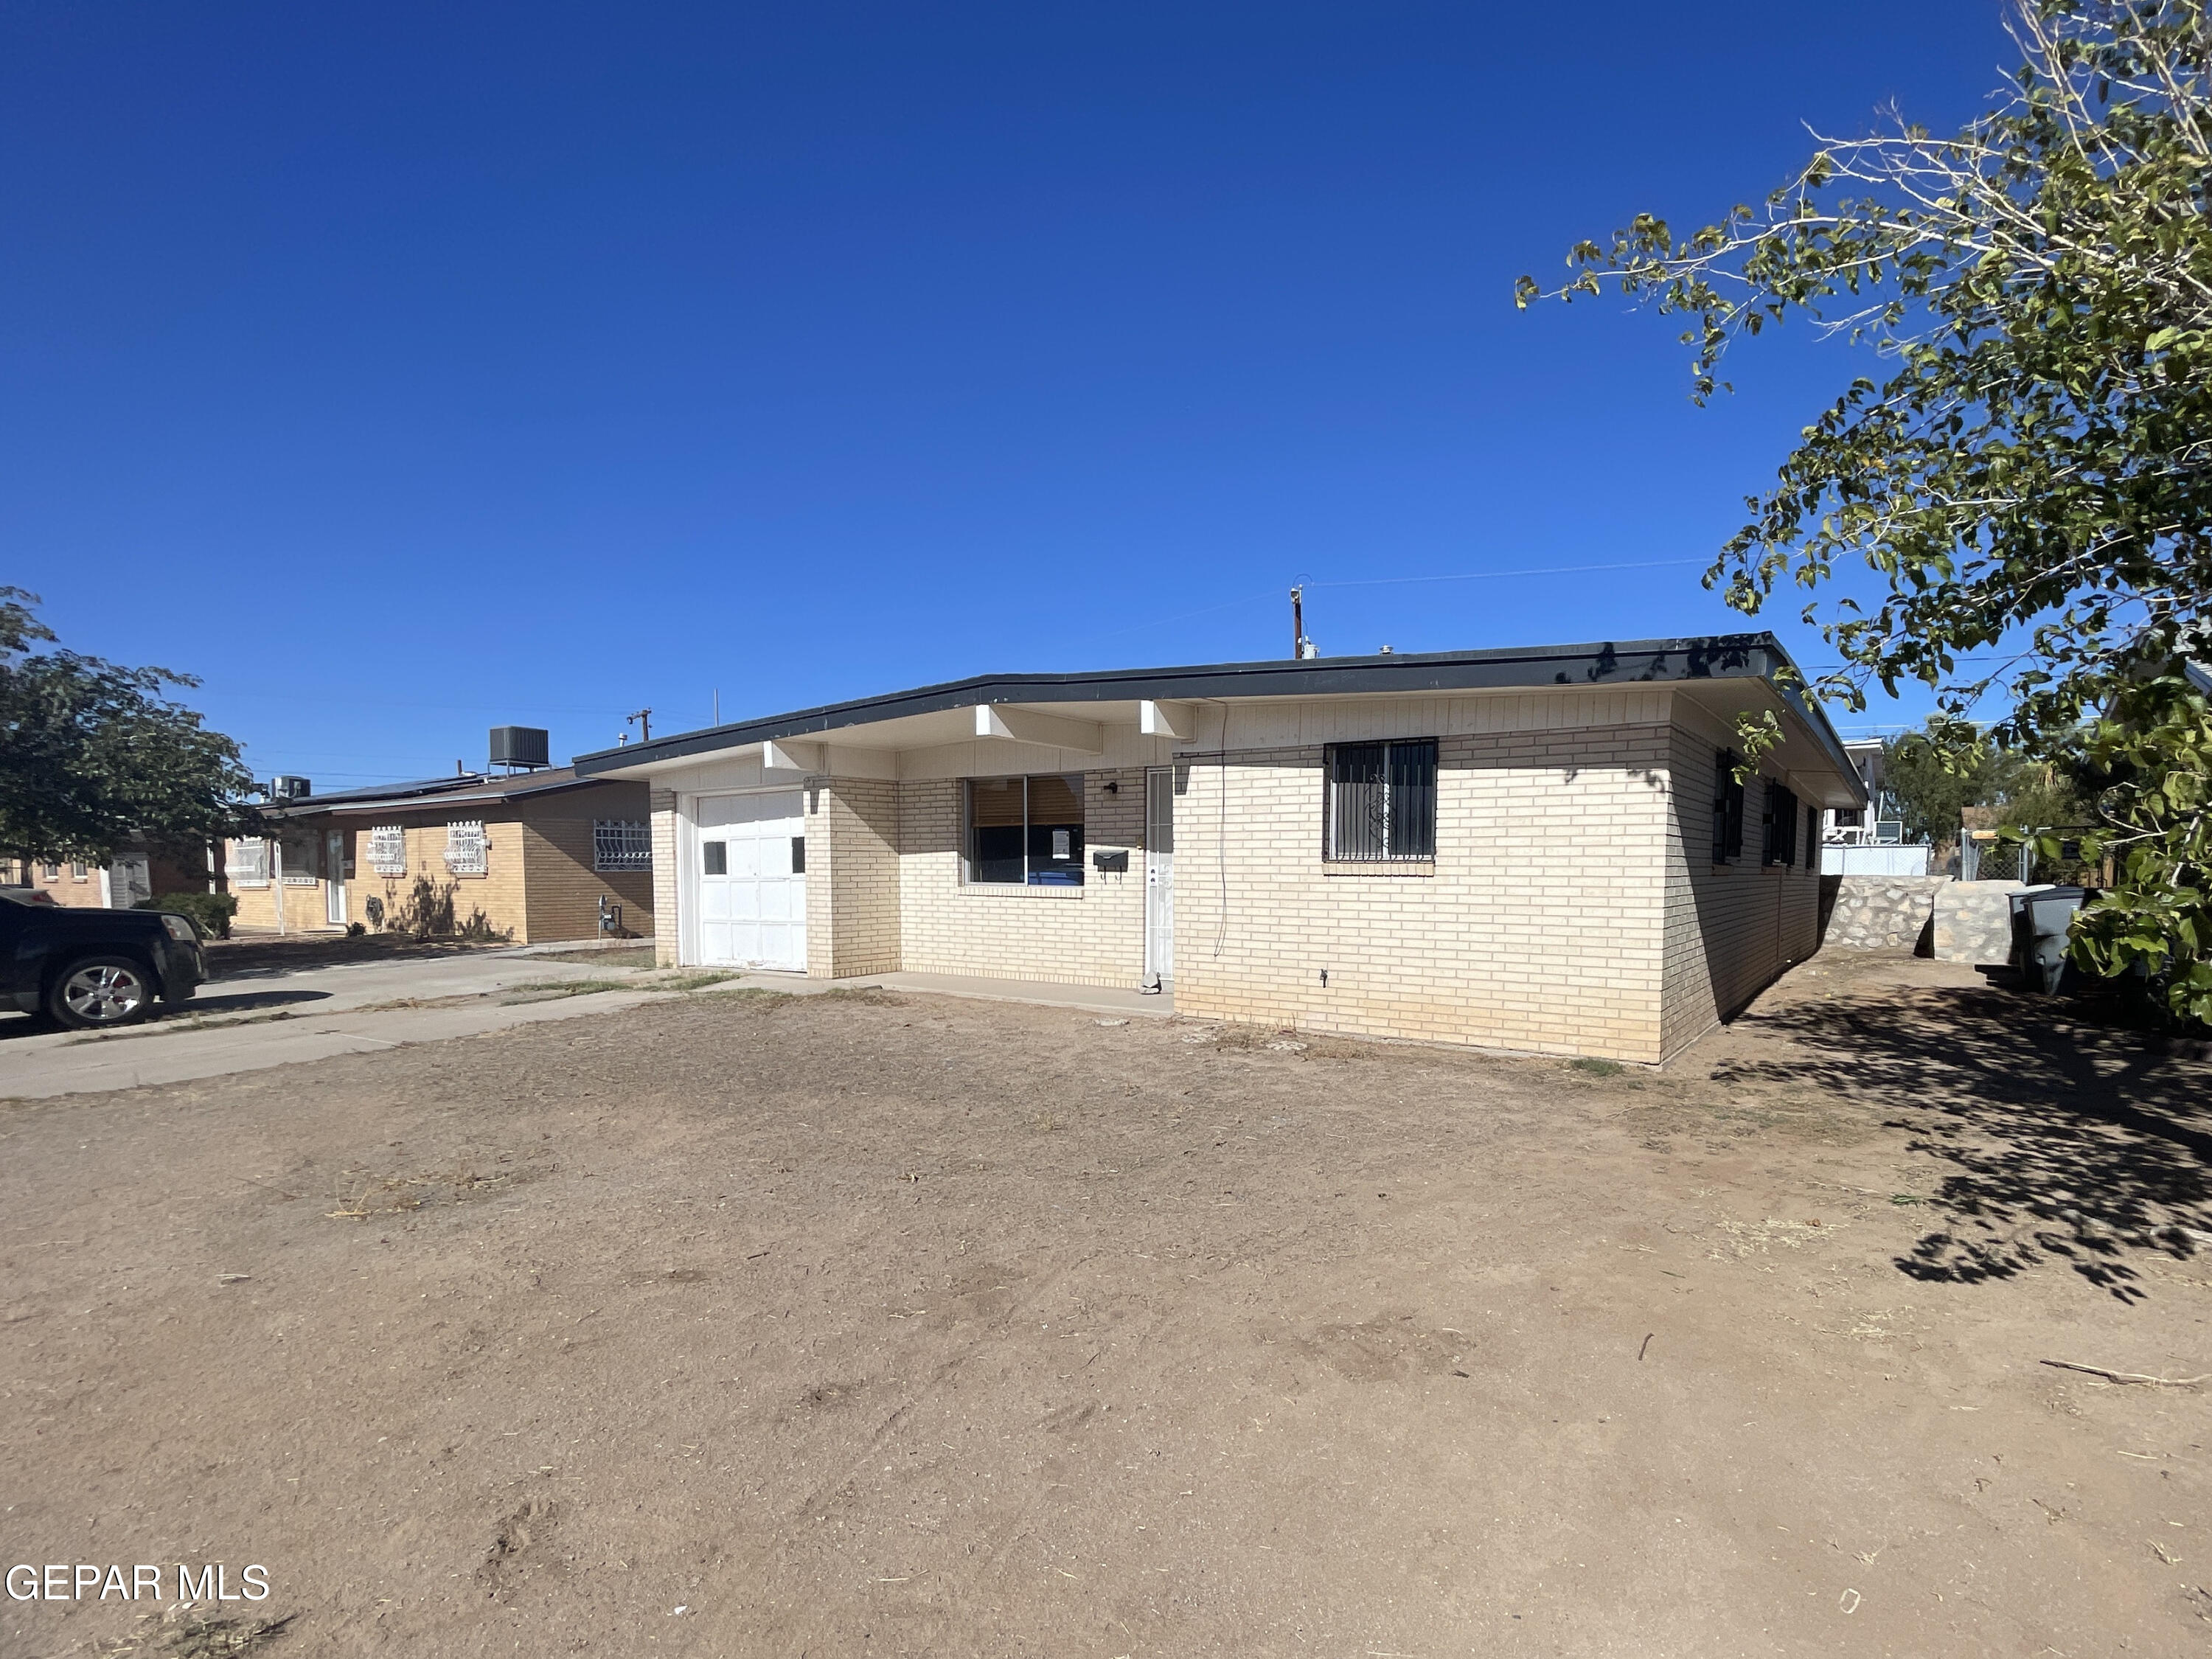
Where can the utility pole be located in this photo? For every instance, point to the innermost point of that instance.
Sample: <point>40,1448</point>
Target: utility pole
<point>643,720</point>
<point>1301,647</point>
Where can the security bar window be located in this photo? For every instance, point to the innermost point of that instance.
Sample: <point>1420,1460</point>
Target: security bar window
<point>248,864</point>
<point>1728,808</point>
<point>1025,832</point>
<point>465,850</point>
<point>621,844</point>
<point>1778,826</point>
<point>1382,801</point>
<point>387,849</point>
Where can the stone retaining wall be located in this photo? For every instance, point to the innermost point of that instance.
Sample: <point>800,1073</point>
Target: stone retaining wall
<point>1879,913</point>
<point>1973,921</point>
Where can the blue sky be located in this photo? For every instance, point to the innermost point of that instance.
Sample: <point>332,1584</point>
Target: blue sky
<point>404,370</point>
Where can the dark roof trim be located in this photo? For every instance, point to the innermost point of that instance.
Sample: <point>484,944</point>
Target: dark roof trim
<point>379,792</point>
<point>474,790</point>
<point>1629,662</point>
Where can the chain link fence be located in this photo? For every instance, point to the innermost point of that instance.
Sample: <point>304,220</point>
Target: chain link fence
<point>2006,860</point>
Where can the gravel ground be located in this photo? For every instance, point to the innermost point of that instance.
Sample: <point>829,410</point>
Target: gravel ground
<point>870,1324</point>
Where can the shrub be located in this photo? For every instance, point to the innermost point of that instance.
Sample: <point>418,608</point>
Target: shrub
<point>210,912</point>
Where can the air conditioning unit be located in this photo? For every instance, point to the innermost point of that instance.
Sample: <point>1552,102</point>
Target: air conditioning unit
<point>520,746</point>
<point>289,788</point>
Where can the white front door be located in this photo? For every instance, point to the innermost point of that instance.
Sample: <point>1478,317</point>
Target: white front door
<point>1160,876</point>
<point>334,848</point>
<point>750,857</point>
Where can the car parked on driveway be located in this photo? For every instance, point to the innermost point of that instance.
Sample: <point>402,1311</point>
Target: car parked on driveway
<point>94,968</point>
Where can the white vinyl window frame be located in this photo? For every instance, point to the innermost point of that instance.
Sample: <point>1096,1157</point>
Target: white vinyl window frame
<point>1050,856</point>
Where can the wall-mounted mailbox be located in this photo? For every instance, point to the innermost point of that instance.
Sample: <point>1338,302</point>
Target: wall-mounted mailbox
<point>1112,864</point>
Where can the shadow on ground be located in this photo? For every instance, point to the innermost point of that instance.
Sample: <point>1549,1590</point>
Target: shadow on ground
<point>266,956</point>
<point>2063,1145</point>
<point>200,1008</point>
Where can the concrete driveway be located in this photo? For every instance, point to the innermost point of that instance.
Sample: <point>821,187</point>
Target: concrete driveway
<point>265,1016</point>
<point>275,1016</point>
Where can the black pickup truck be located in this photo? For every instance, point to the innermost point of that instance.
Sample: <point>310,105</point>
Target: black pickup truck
<point>94,969</point>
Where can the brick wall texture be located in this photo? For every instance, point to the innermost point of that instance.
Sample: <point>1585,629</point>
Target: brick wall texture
<point>539,883</point>
<point>1093,934</point>
<point>663,806</point>
<point>1572,906</point>
<point>853,863</point>
<point>1730,929</point>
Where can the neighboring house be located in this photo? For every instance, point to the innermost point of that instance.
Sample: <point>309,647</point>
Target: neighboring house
<point>1877,823</point>
<point>133,874</point>
<point>1542,849</point>
<point>543,854</point>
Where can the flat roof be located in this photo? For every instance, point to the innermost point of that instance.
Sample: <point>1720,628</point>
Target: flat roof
<point>465,789</point>
<point>1623,662</point>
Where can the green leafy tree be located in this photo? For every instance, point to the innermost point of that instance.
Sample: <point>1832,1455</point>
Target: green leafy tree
<point>1933,774</point>
<point>93,755</point>
<point>2027,479</point>
<point>2148,762</point>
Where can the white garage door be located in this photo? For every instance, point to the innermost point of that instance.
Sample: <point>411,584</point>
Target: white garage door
<point>750,863</point>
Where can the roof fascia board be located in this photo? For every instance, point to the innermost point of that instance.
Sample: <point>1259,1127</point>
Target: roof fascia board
<point>1597,664</point>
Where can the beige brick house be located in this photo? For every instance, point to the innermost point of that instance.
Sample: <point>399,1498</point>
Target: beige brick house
<point>539,853</point>
<point>1543,849</point>
<point>139,872</point>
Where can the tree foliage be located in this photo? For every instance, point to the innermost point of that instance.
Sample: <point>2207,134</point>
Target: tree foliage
<point>93,755</point>
<point>2028,478</point>
<point>2147,760</point>
<point>1934,774</point>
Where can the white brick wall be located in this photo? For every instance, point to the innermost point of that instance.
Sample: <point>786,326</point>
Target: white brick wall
<point>1537,926</point>
<point>1088,935</point>
<point>852,877</point>
<point>667,925</point>
<point>1730,929</point>
<point>1571,907</point>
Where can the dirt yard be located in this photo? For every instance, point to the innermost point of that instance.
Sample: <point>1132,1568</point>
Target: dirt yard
<point>853,1324</point>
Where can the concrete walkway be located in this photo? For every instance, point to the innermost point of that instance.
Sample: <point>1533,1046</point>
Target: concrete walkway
<point>250,1022</point>
<point>1094,998</point>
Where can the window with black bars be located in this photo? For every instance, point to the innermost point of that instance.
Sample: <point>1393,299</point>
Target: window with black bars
<point>622,844</point>
<point>1779,825</point>
<point>1382,801</point>
<point>1728,808</point>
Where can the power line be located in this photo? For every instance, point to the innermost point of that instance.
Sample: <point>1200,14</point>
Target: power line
<point>1388,581</point>
<point>1482,575</point>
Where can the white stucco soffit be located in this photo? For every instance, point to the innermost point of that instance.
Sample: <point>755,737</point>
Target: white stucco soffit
<point>1166,719</point>
<point>1049,731</point>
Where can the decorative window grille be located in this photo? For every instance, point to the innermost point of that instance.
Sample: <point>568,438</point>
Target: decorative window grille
<point>465,849</point>
<point>387,849</point>
<point>247,863</point>
<point>1382,801</point>
<point>621,844</point>
<point>1728,808</point>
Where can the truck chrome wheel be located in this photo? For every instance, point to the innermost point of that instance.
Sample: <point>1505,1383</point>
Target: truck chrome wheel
<point>104,994</point>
